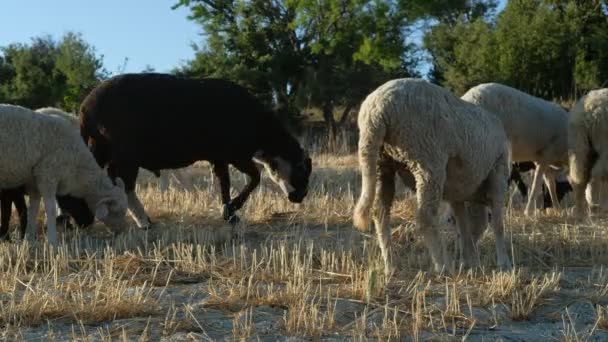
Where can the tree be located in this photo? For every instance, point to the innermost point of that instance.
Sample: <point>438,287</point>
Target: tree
<point>300,53</point>
<point>49,73</point>
<point>81,68</point>
<point>549,48</point>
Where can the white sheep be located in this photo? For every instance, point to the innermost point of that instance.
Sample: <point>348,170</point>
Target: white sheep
<point>58,113</point>
<point>588,145</point>
<point>537,130</point>
<point>50,158</point>
<point>452,150</point>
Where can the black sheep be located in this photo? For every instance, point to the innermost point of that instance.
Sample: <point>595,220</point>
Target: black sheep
<point>160,121</point>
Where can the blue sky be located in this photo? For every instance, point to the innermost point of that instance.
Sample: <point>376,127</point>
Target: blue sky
<point>148,32</point>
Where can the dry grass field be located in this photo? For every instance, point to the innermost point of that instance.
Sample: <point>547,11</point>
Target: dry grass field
<point>300,272</point>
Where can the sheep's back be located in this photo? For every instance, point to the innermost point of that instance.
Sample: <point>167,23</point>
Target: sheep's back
<point>532,124</point>
<point>590,114</point>
<point>28,138</point>
<point>157,115</point>
<point>427,122</point>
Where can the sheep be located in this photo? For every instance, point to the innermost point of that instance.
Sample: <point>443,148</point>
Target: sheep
<point>537,130</point>
<point>54,161</point>
<point>72,206</point>
<point>587,141</point>
<point>60,114</point>
<point>161,121</point>
<point>450,149</point>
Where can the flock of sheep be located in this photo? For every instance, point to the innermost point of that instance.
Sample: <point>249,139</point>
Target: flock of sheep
<point>458,150</point>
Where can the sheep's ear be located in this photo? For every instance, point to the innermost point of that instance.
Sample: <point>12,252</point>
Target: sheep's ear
<point>102,208</point>
<point>120,183</point>
<point>101,211</point>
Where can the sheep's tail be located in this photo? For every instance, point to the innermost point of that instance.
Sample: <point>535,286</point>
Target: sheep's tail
<point>580,154</point>
<point>371,137</point>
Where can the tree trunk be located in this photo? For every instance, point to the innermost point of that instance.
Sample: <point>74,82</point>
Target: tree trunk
<point>344,117</point>
<point>328,117</point>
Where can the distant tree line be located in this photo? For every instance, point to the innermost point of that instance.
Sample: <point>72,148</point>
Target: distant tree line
<point>328,55</point>
<point>47,72</point>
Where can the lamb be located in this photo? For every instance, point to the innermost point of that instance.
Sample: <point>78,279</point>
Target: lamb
<point>450,149</point>
<point>72,206</point>
<point>54,161</point>
<point>161,121</point>
<point>537,130</point>
<point>587,141</point>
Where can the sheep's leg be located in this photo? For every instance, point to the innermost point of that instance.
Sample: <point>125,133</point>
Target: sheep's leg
<point>5,211</point>
<point>464,239</point>
<point>594,195</point>
<point>136,208</point>
<point>549,178</point>
<point>578,190</point>
<point>250,169</point>
<point>22,212</point>
<point>581,157</point>
<point>429,192</point>
<point>406,177</point>
<point>371,138</point>
<point>536,184</point>
<point>385,193</point>
<point>468,221</point>
<point>164,181</point>
<point>51,216</point>
<point>32,212</point>
<point>497,188</point>
<point>221,172</point>
<point>128,173</point>
<point>519,182</point>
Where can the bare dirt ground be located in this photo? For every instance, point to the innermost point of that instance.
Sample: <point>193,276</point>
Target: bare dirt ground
<point>300,272</point>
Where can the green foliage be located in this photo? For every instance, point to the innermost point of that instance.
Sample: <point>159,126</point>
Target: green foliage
<point>553,49</point>
<point>302,53</point>
<point>49,73</point>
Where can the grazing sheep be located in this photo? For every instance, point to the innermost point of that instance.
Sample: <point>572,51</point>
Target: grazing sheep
<point>160,121</point>
<point>72,206</point>
<point>54,161</point>
<point>587,140</point>
<point>450,149</point>
<point>537,130</point>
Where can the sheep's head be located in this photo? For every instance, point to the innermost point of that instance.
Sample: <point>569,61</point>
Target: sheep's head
<point>112,208</point>
<point>290,175</point>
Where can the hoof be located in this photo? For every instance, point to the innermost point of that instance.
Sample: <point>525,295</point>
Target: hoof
<point>234,220</point>
<point>64,221</point>
<point>147,226</point>
<point>505,266</point>
<point>227,212</point>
